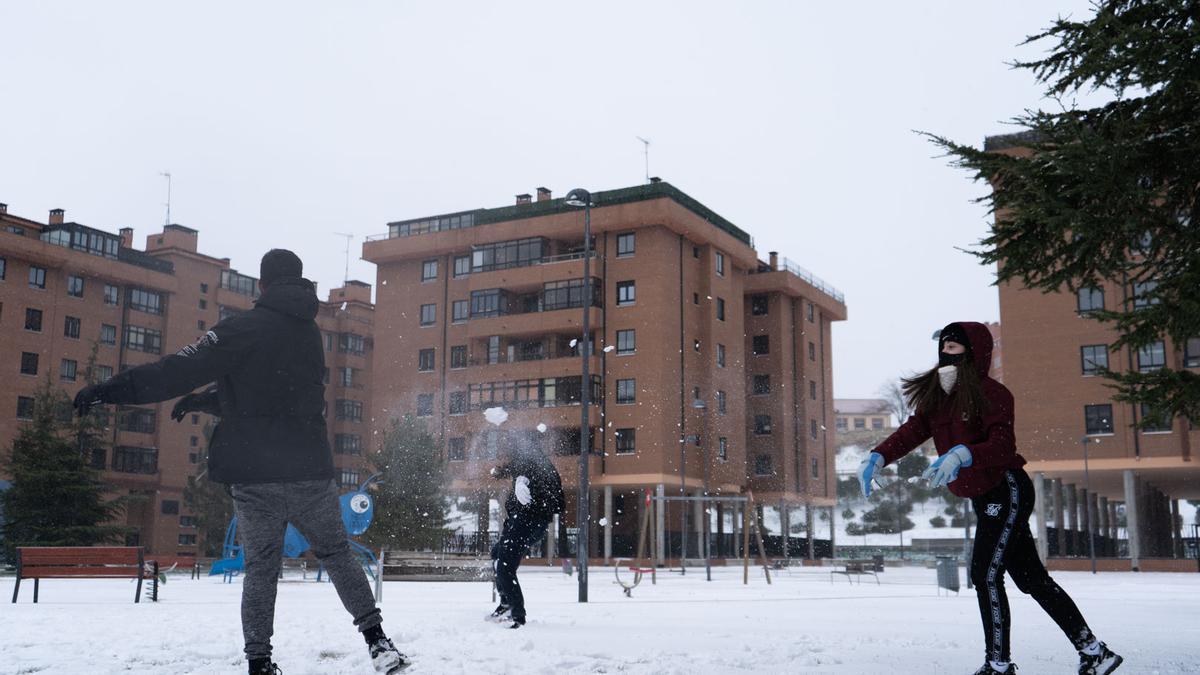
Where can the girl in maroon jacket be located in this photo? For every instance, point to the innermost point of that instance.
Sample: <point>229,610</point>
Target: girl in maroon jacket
<point>970,418</point>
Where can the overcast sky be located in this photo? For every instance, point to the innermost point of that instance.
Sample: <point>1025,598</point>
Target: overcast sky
<point>283,123</point>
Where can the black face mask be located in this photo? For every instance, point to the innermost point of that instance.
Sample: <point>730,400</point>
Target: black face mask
<point>945,359</point>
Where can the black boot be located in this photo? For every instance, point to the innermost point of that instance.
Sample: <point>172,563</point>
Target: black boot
<point>987,669</point>
<point>264,666</point>
<point>517,622</point>
<point>386,658</point>
<point>500,613</point>
<point>1101,663</point>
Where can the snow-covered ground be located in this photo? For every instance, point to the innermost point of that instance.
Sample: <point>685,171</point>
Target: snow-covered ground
<point>685,625</point>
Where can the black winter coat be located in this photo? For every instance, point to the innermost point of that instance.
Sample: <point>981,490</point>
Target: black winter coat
<point>269,366</point>
<point>545,486</point>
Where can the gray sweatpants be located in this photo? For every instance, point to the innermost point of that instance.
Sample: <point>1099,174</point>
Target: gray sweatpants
<point>263,511</point>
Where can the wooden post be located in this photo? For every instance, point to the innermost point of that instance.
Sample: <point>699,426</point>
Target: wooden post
<point>762,551</point>
<point>746,542</point>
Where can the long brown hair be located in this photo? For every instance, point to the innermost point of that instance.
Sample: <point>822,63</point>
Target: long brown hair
<point>924,393</point>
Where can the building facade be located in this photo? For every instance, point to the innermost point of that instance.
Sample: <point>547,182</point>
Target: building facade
<point>709,366</point>
<point>862,414</point>
<point>66,289</point>
<point>1065,410</point>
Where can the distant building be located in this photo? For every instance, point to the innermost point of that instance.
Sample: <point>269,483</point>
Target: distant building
<point>861,414</point>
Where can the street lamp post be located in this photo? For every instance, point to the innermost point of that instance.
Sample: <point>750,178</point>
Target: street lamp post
<point>1087,511</point>
<point>699,404</point>
<point>577,198</point>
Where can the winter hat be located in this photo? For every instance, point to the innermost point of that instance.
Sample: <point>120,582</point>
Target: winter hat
<point>952,333</point>
<point>279,263</point>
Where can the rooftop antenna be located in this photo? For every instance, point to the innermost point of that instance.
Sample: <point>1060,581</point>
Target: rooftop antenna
<point>348,238</point>
<point>167,174</point>
<point>646,148</point>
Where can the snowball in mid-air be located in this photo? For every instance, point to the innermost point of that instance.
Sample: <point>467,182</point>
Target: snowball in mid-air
<point>541,427</point>
<point>344,303</point>
<point>609,349</point>
<point>573,342</point>
<point>496,415</point>
<point>604,522</point>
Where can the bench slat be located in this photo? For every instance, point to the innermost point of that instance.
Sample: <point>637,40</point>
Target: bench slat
<point>81,572</point>
<point>79,555</point>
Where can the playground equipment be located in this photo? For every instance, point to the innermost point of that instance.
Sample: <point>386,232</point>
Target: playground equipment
<point>357,511</point>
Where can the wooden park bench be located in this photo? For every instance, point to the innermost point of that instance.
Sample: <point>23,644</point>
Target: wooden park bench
<point>85,562</point>
<point>856,567</point>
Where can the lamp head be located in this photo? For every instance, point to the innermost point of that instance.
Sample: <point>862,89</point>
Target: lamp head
<point>578,197</point>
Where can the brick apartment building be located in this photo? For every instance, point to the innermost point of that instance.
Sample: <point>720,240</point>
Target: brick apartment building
<point>65,287</point>
<point>482,308</point>
<point>1052,352</point>
<point>861,414</point>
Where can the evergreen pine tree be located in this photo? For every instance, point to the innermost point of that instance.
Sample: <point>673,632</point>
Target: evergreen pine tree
<point>211,505</point>
<point>410,504</point>
<point>56,498</point>
<point>1110,192</point>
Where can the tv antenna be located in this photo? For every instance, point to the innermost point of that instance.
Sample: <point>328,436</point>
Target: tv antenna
<point>646,149</point>
<point>348,237</point>
<point>167,175</point>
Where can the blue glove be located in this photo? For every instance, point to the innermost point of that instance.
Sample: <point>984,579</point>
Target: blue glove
<point>944,469</point>
<point>866,471</point>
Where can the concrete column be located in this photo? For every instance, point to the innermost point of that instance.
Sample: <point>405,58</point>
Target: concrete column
<point>1102,516</point>
<point>1132,528</point>
<point>1112,525</point>
<point>785,525</point>
<point>660,523</point>
<point>608,523</point>
<point>1072,496</point>
<point>1085,525</point>
<point>1060,522</point>
<point>719,551</point>
<point>1176,539</point>
<point>1094,520</point>
<point>809,530</point>
<point>832,533</point>
<point>698,516</point>
<point>1039,501</point>
<point>552,540</point>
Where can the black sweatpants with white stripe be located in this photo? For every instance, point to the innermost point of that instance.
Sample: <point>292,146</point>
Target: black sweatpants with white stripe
<point>1003,543</point>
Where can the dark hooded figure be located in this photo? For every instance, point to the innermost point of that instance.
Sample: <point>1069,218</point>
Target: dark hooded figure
<point>969,416</point>
<point>535,497</point>
<point>271,446</point>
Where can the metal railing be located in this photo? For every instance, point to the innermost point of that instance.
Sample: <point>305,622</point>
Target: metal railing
<point>817,282</point>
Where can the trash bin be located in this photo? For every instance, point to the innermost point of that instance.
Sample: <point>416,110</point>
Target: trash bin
<point>947,573</point>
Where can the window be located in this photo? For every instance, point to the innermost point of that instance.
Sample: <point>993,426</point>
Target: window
<point>493,353</point>
<point>346,409</point>
<point>816,468</point>
<point>3,268</point>
<point>145,301</point>
<point>1094,358</point>
<point>626,440</point>
<point>347,478</point>
<point>424,405</point>
<point>842,424</point>
<point>33,320</point>
<point>508,254</point>
<point>876,422</point>
<point>762,385</point>
<point>187,521</point>
<point>456,449</point>
<point>137,420</point>
<point>1152,357</point>
<point>696,252</point>
<point>67,370</point>
<point>762,425</point>
<point>460,310</point>
<point>170,507</point>
<point>1155,422</point>
<point>1090,299</point>
<point>720,309</point>
<point>203,287</point>
<point>104,373</point>
<point>428,315</point>
<point>37,277</point>
<point>812,351</point>
<point>29,363</point>
<point>135,460</point>
<point>143,339</point>
<point>71,327</point>
<point>428,270</point>
<point>1097,419</point>
<point>762,465</point>
<point>239,283</point>
<point>458,403</point>
<point>626,391</point>
<point>860,423</point>
<point>1145,293</point>
<point>200,325</point>
<point>98,458</point>
<point>812,389</point>
<point>74,286</point>
<point>487,303</point>
<point>813,429</point>
<point>810,312</point>
<point>626,293</point>
<point>328,341</point>
<point>760,345</point>
<point>458,356</point>
<point>108,334</point>
<point>425,359</point>
<point>203,303</point>
<point>720,264</point>
<point>462,265</point>
<point>24,408</point>
<point>1191,353</point>
<point>626,341</point>
<point>695,298</point>
<point>625,244</point>
<point>720,355</point>
<point>187,540</point>
<point>110,294</point>
<point>346,376</point>
<point>723,449</point>
<point>194,441</point>
<point>350,343</point>
<point>759,305</point>
<point>347,444</point>
<point>721,406</point>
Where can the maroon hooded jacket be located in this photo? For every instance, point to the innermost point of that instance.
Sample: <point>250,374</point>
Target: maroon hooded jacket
<point>990,439</point>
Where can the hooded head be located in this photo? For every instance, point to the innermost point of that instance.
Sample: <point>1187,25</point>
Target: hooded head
<point>284,287</point>
<point>975,337</point>
<point>279,263</point>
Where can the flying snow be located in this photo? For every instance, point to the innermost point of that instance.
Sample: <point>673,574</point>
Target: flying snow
<point>496,415</point>
<point>541,427</point>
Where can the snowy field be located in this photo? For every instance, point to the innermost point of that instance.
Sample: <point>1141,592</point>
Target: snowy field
<point>684,625</point>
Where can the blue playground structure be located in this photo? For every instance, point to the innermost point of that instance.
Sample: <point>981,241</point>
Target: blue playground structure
<point>357,510</point>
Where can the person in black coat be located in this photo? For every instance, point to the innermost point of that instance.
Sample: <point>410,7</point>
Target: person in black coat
<point>535,497</point>
<point>271,445</point>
